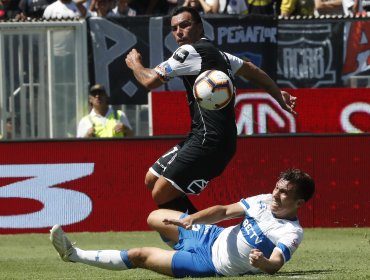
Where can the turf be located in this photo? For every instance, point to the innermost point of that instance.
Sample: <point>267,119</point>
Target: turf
<point>324,254</point>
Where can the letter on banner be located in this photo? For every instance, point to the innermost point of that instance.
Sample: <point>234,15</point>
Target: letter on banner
<point>61,206</point>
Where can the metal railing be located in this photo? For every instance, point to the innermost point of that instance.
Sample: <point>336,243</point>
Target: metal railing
<point>44,78</point>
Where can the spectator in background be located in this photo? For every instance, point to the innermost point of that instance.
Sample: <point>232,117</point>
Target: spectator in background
<point>2,11</point>
<point>33,8</point>
<point>103,120</point>
<point>150,7</point>
<point>65,9</point>
<point>232,7</point>
<point>8,129</point>
<point>101,8</point>
<point>260,7</point>
<point>9,9</point>
<point>203,6</point>
<point>365,6</point>
<point>172,4</point>
<point>123,9</point>
<point>356,7</point>
<point>328,7</point>
<point>297,8</point>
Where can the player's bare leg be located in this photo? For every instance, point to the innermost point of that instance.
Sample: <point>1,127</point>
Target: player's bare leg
<point>168,197</point>
<point>163,191</point>
<point>107,259</point>
<point>167,232</point>
<point>150,180</point>
<point>155,259</point>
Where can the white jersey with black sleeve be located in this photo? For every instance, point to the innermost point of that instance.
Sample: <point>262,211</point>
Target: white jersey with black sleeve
<point>213,128</point>
<point>260,229</point>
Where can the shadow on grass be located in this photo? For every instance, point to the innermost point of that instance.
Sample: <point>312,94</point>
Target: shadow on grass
<point>305,273</point>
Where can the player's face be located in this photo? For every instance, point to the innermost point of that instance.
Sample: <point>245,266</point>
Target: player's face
<point>184,29</point>
<point>284,202</point>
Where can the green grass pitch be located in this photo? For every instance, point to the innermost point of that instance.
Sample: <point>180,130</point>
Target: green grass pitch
<point>324,254</point>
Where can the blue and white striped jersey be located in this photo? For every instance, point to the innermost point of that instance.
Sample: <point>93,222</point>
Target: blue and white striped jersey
<point>260,230</point>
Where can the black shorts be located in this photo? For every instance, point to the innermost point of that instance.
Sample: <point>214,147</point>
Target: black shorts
<point>189,166</point>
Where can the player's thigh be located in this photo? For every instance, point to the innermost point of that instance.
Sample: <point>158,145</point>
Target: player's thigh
<point>161,163</point>
<point>167,232</point>
<point>192,169</point>
<point>155,259</point>
<point>150,180</point>
<point>164,191</point>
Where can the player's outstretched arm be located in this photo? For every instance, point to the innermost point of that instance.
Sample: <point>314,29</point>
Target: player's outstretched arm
<point>145,76</point>
<point>257,76</point>
<point>271,265</point>
<point>209,215</point>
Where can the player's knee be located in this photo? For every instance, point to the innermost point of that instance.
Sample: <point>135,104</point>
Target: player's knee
<point>160,196</point>
<point>150,180</point>
<point>137,256</point>
<point>154,217</point>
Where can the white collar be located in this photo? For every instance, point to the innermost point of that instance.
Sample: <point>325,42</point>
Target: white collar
<point>94,114</point>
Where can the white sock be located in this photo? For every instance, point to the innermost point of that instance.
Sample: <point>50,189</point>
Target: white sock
<point>107,259</point>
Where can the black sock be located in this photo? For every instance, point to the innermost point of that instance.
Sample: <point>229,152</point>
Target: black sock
<point>181,203</point>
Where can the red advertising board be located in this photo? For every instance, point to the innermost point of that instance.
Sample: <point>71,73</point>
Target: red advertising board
<point>319,111</point>
<point>98,185</point>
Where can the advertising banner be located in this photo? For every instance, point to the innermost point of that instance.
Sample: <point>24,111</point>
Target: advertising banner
<point>356,51</point>
<point>310,53</point>
<point>111,39</point>
<point>98,185</point>
<point>324,53</point>
<point>319,111</point>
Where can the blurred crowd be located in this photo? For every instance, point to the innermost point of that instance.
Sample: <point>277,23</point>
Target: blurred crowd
<point>25,9</point>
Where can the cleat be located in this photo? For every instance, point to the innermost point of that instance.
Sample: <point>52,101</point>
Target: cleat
<point>61,243</point>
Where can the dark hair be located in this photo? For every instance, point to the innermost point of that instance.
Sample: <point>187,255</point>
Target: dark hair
<point>304,184</point>
<point>194,13</point>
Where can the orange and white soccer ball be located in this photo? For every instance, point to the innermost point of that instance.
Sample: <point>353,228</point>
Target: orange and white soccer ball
<point>213,90</point>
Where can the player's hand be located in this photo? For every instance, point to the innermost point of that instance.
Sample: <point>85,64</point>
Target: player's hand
<point>290,102</point>
<point>184,223</point>
<point>133,58</point>
<point>256,258</point>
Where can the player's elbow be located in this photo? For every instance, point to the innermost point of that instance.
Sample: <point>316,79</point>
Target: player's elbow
<point>272,271</point>
<point>153,82</point>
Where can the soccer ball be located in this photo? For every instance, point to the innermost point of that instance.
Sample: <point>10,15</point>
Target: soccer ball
<point>213,90</point>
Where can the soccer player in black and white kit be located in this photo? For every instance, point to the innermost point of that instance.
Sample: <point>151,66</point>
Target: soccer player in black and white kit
<point>189,166</point>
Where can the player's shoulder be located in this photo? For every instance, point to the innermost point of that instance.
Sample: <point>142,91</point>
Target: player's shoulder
<point>292,226</point>
<point>262,197</point>
<point>252,201</point>
<point>183,52</point>
<point>204,44</point>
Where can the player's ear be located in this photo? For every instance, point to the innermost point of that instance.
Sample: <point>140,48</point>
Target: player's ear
<point>300,202</point>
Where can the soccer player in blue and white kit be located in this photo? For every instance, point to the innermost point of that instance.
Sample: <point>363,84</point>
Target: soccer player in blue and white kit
<point>263,241</point>
<point>188,167</point>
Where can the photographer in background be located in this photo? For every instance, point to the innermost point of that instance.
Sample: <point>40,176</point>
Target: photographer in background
<point>103,120</point>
